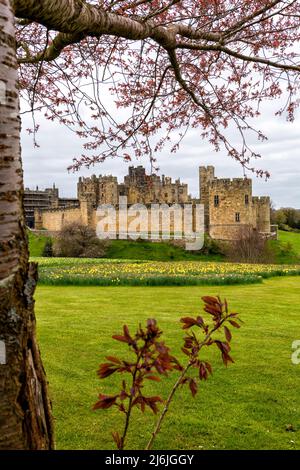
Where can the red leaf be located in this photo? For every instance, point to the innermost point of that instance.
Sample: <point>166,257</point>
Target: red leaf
<point>122,408</point>
<point>117,438</point>
<point>120,338</point>
<point>223,346</point>
<point>139,401</point>
<point>113,359</point>
<point>152,377</point>
<point>226,358</point>
<point>208,367</point>
<point>193,386</point>
<point>214,310</point>
<point>151,402</point>
<point>202,371</point>
<point>106,369</point>
<point>227,334</point>
<point>105,401</point>
<point>188,322</point>
<point>126,331</point>
<point>209,299</point>
<point>185,351</point>
<point>127,335</point>
<point>234,323</point>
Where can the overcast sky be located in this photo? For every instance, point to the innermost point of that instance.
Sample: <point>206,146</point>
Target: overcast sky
<point>48,164</point>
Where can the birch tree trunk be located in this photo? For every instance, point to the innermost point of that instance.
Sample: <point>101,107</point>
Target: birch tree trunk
<point>25,411</point>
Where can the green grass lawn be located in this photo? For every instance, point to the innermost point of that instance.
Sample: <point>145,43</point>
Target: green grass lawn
<point>246,406</point>
<point>286,250</point>
<point>290,237</point>
<point>36,243</point>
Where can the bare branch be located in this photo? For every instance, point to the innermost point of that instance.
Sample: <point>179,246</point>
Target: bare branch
<point>238,55</point>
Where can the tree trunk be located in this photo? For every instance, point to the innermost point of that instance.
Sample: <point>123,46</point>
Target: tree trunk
<point>25,410</point>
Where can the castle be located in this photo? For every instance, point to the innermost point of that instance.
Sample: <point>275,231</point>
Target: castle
<point>229,205</point>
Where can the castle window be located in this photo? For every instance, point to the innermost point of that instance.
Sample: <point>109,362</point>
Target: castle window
<point>216,201</point>
<point>246,199</point>
<point>237,217</point>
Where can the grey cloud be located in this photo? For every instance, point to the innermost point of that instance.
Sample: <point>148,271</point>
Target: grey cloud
<point>58,146</point>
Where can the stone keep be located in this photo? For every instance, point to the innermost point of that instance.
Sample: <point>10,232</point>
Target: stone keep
<point>229,206</point>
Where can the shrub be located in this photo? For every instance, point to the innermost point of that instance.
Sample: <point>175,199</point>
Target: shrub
<point>286,250</point>
<point>249,247</point>
<point>78,240</point>
<point>285,228</point>
<point>48,248</point>
<point>211,246</point>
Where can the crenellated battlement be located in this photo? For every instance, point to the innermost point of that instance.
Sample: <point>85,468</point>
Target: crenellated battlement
<point>231,183</point>
<point>261,200</point>
<point>57,209</point>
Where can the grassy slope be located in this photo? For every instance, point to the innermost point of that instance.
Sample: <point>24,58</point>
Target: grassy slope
<point>36,243</point>
<point>123,249</point>
<point>246,406</point>
<point>290,237</point>
<point>287,248</point>
<point>143,250</point>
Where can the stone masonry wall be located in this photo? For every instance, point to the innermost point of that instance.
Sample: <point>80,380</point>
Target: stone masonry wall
<point>206,176</point>
<point>230,207</point>
<point>142,221</point>
<point>54,219</point>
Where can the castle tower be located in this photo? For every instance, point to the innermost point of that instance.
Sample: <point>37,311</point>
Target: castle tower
<point>206,176</point>
<point>262,211</point>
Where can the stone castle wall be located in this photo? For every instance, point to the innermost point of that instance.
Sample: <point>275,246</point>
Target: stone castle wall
<point>55,219</point>
<point>139,219</point>
<point>229,205</point>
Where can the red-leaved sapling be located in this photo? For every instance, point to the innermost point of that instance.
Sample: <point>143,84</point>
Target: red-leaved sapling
<point>152,359</point>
